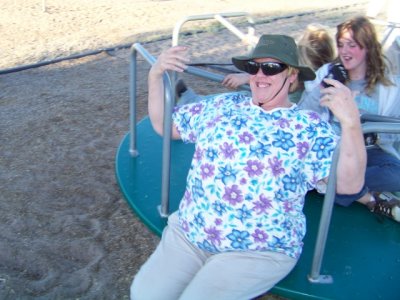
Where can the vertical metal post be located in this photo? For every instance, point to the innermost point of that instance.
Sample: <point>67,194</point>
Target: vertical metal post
<point>324,223</point>
<point>166,149</point>
<point>374,123</point>
<point>132,103</point>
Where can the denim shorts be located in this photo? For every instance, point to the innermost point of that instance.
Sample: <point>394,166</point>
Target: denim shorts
<point>382,174</point>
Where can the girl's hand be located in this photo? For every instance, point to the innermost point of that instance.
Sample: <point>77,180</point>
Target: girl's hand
<point>233,81</point>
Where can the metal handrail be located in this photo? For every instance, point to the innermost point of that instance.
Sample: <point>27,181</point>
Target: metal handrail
<point>219,17</point>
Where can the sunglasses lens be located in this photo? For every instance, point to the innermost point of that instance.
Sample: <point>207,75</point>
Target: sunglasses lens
<point>272,68</point>
<point>268,68</point>
<point>252,67</point>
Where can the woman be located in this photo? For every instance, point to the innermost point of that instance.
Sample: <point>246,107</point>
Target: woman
<point>377,92</point>
<point>315,48</point>
<point>240,223</point>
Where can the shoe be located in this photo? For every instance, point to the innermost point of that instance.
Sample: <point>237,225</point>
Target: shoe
<point>180,88</point>
<point>387,205</point>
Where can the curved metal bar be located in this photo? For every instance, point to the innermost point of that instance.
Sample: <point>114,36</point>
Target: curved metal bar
<point>378,118</point>
<point>166,149</point>
<point>211,76</point>
<point>315,274</point>
<point>221,18</point>
<point>178,26</point>
<point>132,92</point>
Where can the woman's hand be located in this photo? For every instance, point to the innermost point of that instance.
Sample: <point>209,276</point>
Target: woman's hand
<point>353,157</point>
<point>172,59</point>
<point>340,101</point>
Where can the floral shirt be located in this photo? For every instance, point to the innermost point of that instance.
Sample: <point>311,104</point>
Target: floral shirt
<point>250,172</point>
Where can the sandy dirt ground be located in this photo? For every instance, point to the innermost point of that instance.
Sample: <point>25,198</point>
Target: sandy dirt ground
<point>65,230</point>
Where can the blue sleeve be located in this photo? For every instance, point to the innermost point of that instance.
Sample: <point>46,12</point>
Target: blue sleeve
<point>311,96</point>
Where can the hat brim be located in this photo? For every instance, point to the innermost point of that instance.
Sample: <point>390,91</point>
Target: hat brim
<point>305,73</point>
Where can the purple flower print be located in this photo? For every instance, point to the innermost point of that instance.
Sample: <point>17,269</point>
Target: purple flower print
<point>276,166</point>
<point>213,235</point>
<point>228,150</point>
<point>213,122</point>
<point>262,205</point>
<point>185,226</point>
<point>188,198</point>
<point>198,154</point>
<point>282,123</point>
<point>192,137</point>
<point>302,149</point>
<point>246,138</point>
<point>196,109</point>
<point>254,168</point>
<point>233,195</point>
<point>314,116</point>
<point>207,170</point>
<point>288,206</point>
<point>259,236</point>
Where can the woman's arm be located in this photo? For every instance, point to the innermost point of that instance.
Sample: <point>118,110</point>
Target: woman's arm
<point>353,156</point>
<point>172,59</point>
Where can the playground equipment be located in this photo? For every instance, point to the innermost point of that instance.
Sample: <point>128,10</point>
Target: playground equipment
<point>354,256</point>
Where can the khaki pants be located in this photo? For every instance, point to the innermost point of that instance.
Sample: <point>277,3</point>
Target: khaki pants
<point>179,270</point>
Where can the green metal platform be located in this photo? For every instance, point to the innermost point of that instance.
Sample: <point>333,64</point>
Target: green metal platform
<point>362,252</point>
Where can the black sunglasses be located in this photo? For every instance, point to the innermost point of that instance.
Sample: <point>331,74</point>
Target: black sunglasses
<point>268,68</point>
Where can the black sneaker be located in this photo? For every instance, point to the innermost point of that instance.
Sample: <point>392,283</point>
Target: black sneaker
<point>387,205</point>
<point>180,88</point>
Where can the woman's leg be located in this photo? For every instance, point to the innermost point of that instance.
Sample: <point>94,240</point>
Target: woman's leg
<point>170,268</point>
<point>238,275</point>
